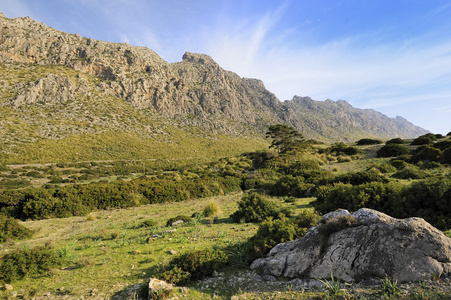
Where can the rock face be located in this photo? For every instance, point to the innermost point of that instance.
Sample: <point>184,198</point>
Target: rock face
<point>193,92</point>
<point>377,246</point>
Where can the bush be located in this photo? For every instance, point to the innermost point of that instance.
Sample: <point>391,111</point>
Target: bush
<point>424,139</point>
<point>253,208</point>
<point>27,262</point>
<point>357,178</point>
<point>10,229</point>
<point>341,149</point>
<point>391,150</point>
<point>362,142</point>
<point>446,156</point>
<point>291,186</point>
<point>183,218</point>
<point>384,197</point>
<point>399,164</point>
<point>428,199</point>
<point>395,141</point>
<point>443,145</point>
<point>383,168</point>
<point>195,265</point>
<point>410,172</point>
<point>212,209</point>
<point>272,232</point>
<point>149,223</point>
<point>426,153</point>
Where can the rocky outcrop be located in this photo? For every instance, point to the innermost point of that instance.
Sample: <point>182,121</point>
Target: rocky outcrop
<point>339,119</point>
<point>50,89</point>
<point>193,92</point>
<point>376,246</point>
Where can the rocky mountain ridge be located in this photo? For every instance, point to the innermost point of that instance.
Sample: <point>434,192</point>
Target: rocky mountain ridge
<point>193,92</point>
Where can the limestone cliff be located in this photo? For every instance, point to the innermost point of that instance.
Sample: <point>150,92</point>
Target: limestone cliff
<point>193,92</point>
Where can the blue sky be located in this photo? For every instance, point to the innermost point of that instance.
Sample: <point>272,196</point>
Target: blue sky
<point>390,55</point>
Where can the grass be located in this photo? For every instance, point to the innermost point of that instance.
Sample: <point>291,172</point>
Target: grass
<point>111,252</point>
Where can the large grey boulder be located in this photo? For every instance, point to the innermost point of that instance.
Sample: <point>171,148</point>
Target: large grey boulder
<point>375,246</point>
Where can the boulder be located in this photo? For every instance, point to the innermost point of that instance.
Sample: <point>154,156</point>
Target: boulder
<point>374,246</point>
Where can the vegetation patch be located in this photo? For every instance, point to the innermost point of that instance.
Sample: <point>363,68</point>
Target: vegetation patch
<point>11,229</point>
<point>28,262</point>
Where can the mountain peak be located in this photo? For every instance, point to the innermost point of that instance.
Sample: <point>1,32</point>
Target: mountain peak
<point>194,92</point>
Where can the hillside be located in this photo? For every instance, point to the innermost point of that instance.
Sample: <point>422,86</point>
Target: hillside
<point>60,91</point>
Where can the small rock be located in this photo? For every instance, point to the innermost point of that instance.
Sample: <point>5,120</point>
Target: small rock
<point>8,287</point>
<point>172,252</point>
<point>14,294</point>
<point>178,222</point>
<point>159,287</point>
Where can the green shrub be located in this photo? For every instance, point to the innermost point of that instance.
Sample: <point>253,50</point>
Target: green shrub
<point>272,232</point>
<point>410,172</point>
<point>426,153</point>
<point>253,208</point>
<point>395,141</point>
<point>432,165</point>
<point>428,199</point>
<point>28,262</point>
<point>185,219</point>
<point>357,178</point>
<point>212,209</point>
<point>391,150</point>
<point>446,156</point>
<point>399,164</point>
<point>291,186</point>
<point>424,139</point>
<point>384,197</point>
<point>362,142</point>
<point>10,229</point>
<point>195,265</point>
<point>442,145</point>
<point>149,223</point>
<point>383,168</point>
<point>341,149</point>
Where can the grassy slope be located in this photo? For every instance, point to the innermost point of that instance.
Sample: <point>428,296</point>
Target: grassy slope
<point>97,127</point>
<point>109,254</point>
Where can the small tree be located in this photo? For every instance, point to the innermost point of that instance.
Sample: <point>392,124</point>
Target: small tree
<point>284,137</point>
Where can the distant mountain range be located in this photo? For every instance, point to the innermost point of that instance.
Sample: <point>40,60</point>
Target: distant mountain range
<point>55,85</point>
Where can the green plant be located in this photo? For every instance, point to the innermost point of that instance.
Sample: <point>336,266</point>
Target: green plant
<point>25,262</point>
<point>369,142</point>
<point>391,150</point>
<point>10,229</point>
<point>149,223</point>
<point>272,232</point>
<point>333,287</point>
<point>389,288</point>
<point>212,209</point>
<point>395,141</point>
<point>184,218</point>
<point>194,265</point>
<point>253,208</point>
<point>426,139</point>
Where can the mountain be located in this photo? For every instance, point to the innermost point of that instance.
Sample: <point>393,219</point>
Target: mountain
<point>57,87</point>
